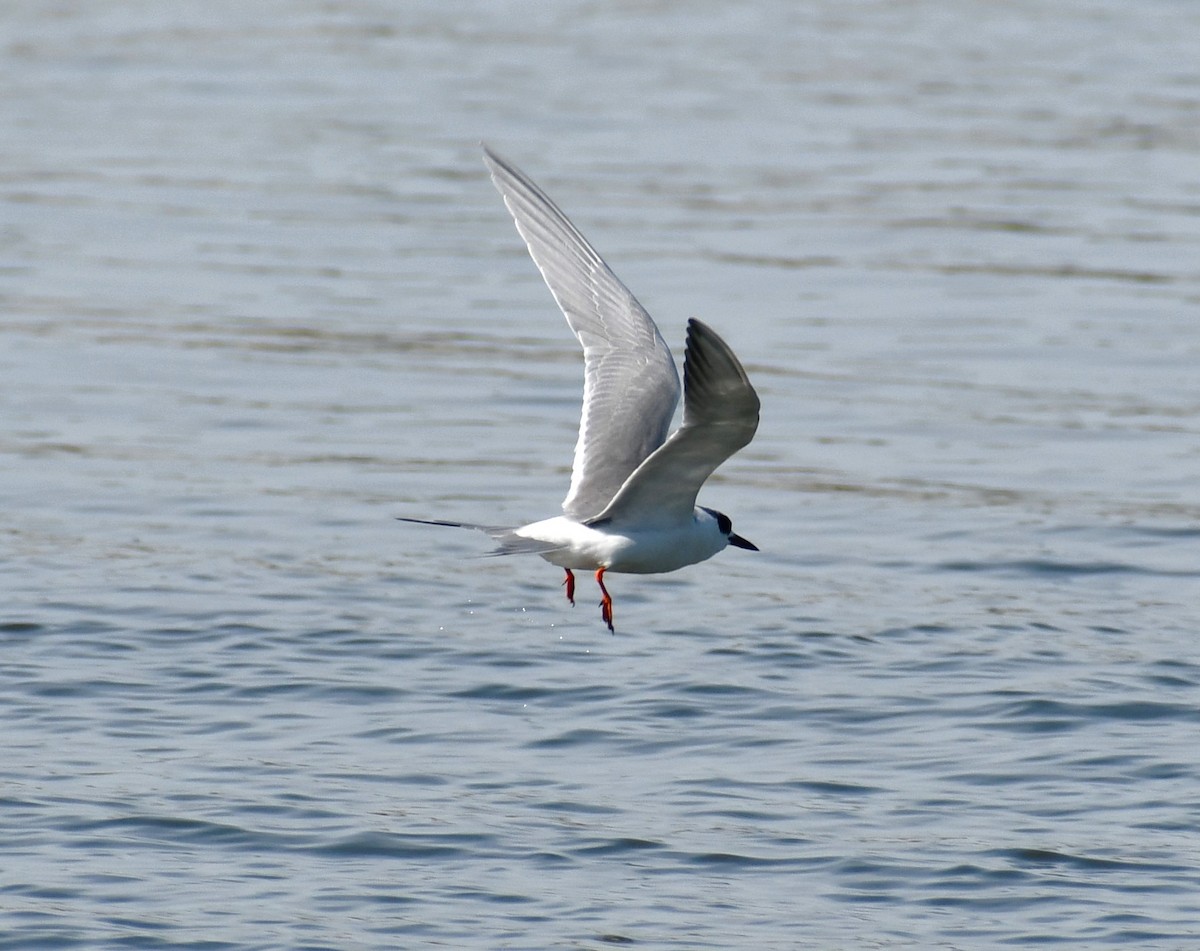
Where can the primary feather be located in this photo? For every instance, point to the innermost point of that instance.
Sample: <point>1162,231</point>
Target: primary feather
<point>720,416</point>
<point>629,374</point>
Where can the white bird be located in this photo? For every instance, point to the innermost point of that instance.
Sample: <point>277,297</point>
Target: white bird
<point>631,506</point>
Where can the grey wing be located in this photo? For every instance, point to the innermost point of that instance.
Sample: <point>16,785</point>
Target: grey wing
<point>630,386</point>
<point>720,416</point>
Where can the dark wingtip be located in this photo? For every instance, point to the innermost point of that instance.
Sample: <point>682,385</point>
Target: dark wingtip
<point>714,380</point>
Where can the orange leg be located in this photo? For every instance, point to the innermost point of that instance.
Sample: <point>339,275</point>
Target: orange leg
<point>606,612</point>
<point>569,581</point>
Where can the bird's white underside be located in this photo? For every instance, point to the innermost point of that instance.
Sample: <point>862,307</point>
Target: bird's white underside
<point>628,549</point>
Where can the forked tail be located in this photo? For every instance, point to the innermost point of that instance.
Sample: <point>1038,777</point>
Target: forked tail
<point>507,541</point>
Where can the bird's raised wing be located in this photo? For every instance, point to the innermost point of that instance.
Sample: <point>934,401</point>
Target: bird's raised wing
<point>630,385</point>
<point>720,415</point>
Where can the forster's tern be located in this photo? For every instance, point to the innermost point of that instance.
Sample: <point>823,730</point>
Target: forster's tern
<point>631,506</point>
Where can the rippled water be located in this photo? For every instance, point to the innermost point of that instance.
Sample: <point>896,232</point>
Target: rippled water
<point>258,297</point>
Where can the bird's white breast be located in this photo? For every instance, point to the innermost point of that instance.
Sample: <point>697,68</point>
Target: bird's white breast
<point>644,550</point>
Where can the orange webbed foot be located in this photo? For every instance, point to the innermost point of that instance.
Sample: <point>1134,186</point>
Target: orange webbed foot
<point>569,581</point>
<point>606,605</point>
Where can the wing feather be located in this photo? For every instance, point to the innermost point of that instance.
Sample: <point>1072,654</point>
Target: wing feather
<point>631,386</point>
<point>720,416</point>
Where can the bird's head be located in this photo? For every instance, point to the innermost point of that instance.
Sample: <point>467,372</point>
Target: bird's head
<point>725,527</point>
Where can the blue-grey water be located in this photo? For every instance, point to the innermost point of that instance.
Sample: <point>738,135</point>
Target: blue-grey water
<point>258,297</point>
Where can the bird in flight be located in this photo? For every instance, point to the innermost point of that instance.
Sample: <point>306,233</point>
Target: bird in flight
<point>631,506</point>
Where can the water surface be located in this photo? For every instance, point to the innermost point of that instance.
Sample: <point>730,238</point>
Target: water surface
<point>258,297</point>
